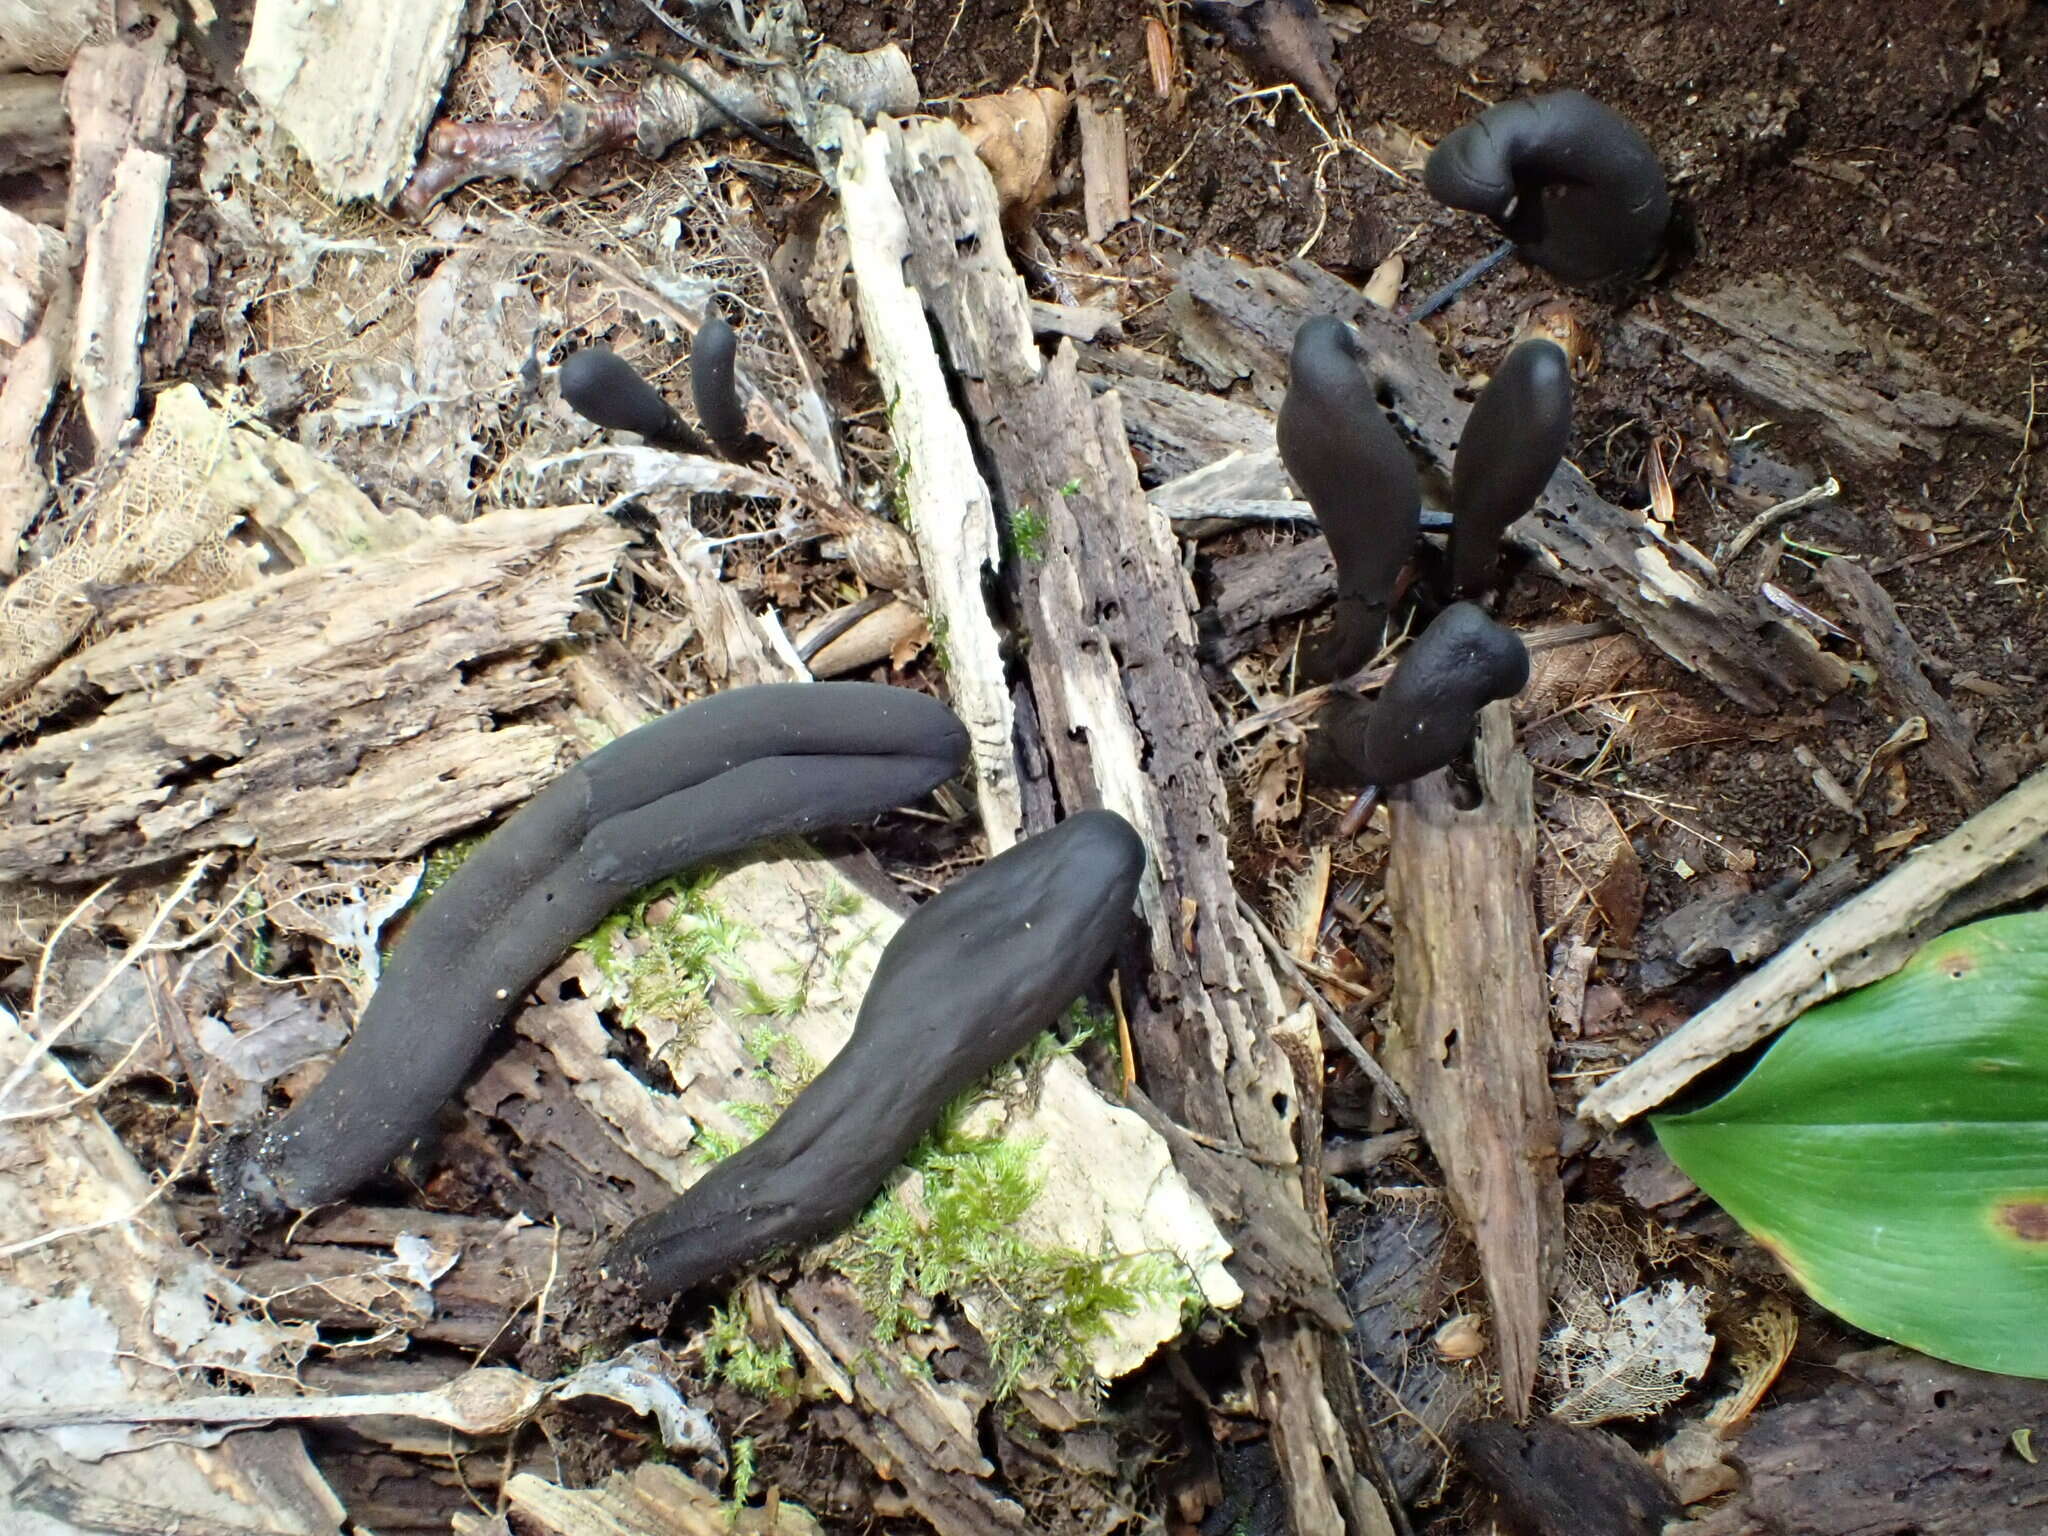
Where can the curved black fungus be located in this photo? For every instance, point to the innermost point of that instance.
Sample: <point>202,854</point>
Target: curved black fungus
<point>1347,460</point>
<point>1429,710</point>
<point>1511,446</point>
<point>1576,188</point>
<point>968,979</point>
<point>601,386</point>
<point>704,780</point>
<point>713,389</point>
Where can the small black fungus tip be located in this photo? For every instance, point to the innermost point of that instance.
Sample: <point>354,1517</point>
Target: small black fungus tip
<point>713,388</point>
<point>1570,181</point>
<point>1347,460</point>
<point>704,780</point>
<point>965,983</point>
<point>601,386</point>
<point>1512,444</point>
<point>1429,710</point>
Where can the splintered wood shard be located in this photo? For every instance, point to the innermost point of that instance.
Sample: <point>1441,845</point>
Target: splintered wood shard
<point>1471,1040</point>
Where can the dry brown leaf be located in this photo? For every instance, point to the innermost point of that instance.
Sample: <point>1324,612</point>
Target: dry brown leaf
<point>1566,676</point>
<point>1159,55</point>
<point>1276,792</point>
<point>1589,868</point>
<point>1015,134</point>
<point>907,650</point>
<point>1557,321</point>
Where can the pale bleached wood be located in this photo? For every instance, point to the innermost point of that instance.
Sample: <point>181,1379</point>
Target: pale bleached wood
<point>1471,1036</point>
<point>31,266</point>
<point>354,86</point>
<point>1997,857</point>
<point>949,508</point>
<point>113,291</point>
<point>1105,168</point>
<point>122,98</point>
<point>43,35</point>
<point>32,375</point>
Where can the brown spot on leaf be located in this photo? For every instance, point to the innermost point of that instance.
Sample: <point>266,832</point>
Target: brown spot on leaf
<point>1958,963</point>
<point>2026,1220</point>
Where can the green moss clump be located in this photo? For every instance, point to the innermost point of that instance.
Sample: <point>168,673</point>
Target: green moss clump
<point>665,968</point>
<point>1027,532</point>
<point>731,1356</point>
<point>1042,1305</point>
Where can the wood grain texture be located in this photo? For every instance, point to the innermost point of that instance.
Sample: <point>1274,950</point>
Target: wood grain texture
<point>1471,1038</point>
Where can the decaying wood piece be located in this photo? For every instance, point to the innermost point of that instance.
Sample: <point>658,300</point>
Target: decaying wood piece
<point>1997,857</point>
<point>353,86</point>
<point>1176,432</point>
<point>654,116</point>
<point>1896,655</point>
<point>34,130</point>
<point>1243,321</point>
<point>32,375</point>
<point>343,1269</point>
<point>894,627</point>
<point>951,511</point>
<point>650,1500</point>
<point>339,711</point>
<point>1471,1036</point>
<point>1253,590</point>
<point>43,35</point>
<point>113,291</point>
<point>1105,168</point>
<point>32,261</point>
<point>1906,1434</point>
<point>1128,724</point>
<point>143,525</point>
<point>1557,1479</point>
<point>122,98</point>
<point>1781,342</point>
<point>98,1314</point>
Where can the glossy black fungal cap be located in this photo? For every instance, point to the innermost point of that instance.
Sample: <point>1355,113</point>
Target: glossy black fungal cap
<point>966,982</point>
<point>1349,463</point>
<point>713,388</point>
<point>601,386</point>
<point>1429,710</point>
<point>706,779</point>
<point>1511,446</point>
<point>1576,188</point>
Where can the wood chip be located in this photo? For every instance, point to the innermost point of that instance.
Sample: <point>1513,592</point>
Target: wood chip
<point>1105,167</point>
<point>1897,656</point>
<point>1471,1036</point>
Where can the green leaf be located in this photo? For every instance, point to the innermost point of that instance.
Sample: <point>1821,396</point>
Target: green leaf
<point>1891,1150</point>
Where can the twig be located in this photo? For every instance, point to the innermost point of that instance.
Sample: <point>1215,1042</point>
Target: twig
<point>47,1039</point>
<point>1770,517</point>
<point>1460,283</point>
<point>1332,1020</point>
